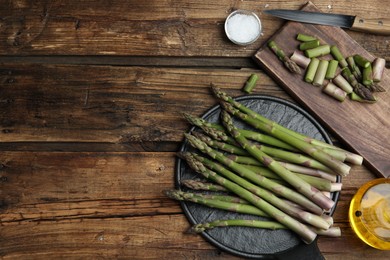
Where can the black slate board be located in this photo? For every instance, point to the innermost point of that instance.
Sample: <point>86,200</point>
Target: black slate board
<point>250,242</point>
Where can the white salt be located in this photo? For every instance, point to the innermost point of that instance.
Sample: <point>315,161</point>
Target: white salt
<point>243,28</point>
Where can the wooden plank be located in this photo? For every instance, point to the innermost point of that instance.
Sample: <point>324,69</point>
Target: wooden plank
<point>356,124</point>
<point>60,103</point>
<point>88,205</point>
<point>163,28</point>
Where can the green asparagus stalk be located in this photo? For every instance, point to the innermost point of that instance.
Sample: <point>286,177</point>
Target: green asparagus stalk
<point>317,182</point>
<point>250,84</point>
<point>350,157</point>
<point>246,173</point>
<point>361,61</point>
<point>367,76</point>
<point>306,234</point>
<point>331,70</point>
<point>354,68</point>
<point>302,186</point>
<point>359,89</point>
<point>198,228</point>
<point>311,70</point>
<point>212,202</point>
<point>201,185</point>
<point>334,50</point>
<point>291,66</point>
<point>220,145</point>
<point>319,77</point>
<point>309,45</point>
<point>297,169</point>
<point>262,181</point>
<point>318,51</point>
<point>272,129</point>
<point>305,38</point>
<point>266,139</point>
<point>209,129</point>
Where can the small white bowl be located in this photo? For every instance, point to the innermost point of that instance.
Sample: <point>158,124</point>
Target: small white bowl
<point>243,27</point>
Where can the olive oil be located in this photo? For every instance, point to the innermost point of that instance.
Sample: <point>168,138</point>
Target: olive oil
<point>369,213</point>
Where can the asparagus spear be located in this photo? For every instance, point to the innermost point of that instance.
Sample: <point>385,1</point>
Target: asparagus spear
<point>273,129</point>
<point>220,145</point>
<point>201,185</point>
<point>277,153</point>
<point>350,157</point>
<point>302,186</point>
<point>290,65</point>
<point>261,138</point>
<point>198,228</point>
<point>289,208</point>
<point>215,203</point>
<point>301,170</point>
<point>262,181</point>
<point>306,234</point>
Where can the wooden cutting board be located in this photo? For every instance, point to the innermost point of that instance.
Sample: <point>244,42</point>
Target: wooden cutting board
<point>364,128</point>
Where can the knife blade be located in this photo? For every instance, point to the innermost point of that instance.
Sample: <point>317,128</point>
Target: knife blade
<point>374,26</point>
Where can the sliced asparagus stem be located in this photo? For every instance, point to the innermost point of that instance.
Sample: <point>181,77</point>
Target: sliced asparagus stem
<point>201,185</point>
<point>332,68</point>
<point>367,76</point>
<point>273,129</point>
<point>306,234</point>
<point>318,51</point>
<point>309,45</point>
<point>320,73</point>
<point>300,59</point>
<point>334,91</point>
<point>198,228</point>
<point>311,70</point>
<point>342,83</point>
<point>305,38</point>
<point>224,97</point>
<point>250,83</point>
<point>302,186</point>
<point>262,181</point>
<point>378,67</point>
<point>334,50</point>
<point>361,61</point>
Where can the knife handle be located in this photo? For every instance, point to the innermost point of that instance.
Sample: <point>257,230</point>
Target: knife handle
<point>376,26</point>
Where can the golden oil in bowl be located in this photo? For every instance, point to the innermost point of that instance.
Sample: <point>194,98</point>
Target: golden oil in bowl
<point>369,213</point>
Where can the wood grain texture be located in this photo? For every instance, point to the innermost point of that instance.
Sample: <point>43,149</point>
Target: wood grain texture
<point>150,28</point>
<point>100,204</point>
<point>61,103</point>
<point>365,128</point>
<point>90,99</point>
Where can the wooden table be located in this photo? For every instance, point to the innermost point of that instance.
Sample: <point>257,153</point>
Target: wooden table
<point>90,96</point>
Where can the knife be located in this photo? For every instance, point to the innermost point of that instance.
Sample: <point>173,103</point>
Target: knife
<point>355,23</point>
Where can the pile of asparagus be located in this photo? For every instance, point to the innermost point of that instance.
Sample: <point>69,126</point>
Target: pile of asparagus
<point>272,172</point>
<point>339,77</point>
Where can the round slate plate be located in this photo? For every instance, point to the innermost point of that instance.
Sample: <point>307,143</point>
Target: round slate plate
<point>244,241</point>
